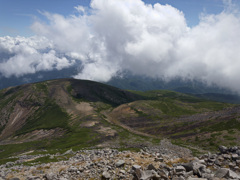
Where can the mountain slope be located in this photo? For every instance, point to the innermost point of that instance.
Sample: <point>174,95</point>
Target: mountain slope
<point>60,113</point>
<point>182,117</point>
<point>69,113</point>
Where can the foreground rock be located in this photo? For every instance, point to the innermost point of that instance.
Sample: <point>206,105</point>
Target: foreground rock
<point>148,164</point>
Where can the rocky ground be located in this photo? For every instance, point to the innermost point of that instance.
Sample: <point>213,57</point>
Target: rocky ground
<point>166,161</point>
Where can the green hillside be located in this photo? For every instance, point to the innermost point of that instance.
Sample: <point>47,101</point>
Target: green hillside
<point>60,114</point>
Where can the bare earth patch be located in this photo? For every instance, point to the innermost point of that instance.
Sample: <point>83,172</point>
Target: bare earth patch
<point>85,108</point>
<point>89,124</point>
<point>107,131</point>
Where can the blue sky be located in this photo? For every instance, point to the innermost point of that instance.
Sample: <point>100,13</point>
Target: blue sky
<point>16,16</point>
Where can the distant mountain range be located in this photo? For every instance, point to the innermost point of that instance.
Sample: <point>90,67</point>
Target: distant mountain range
<point>196,88</point>
<point>133,82</point>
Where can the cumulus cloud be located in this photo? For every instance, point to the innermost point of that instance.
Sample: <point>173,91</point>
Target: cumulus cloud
<point>115,36</point>
<point>20,55</point>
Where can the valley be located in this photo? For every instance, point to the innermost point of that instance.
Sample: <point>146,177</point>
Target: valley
<point>54,116</point>
<point>77,113</point>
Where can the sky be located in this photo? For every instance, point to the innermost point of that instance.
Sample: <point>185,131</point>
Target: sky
<point>190,39</point>
<point>17,16</point>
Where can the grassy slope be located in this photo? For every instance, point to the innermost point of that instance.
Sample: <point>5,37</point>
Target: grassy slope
<point>159,113</point>
<point>49,115</point>
<point>187,119</point>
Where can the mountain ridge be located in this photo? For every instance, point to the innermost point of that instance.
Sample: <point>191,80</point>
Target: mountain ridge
<point>129,81</point>
<point>64,113</point>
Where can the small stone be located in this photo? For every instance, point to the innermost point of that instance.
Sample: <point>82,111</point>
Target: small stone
<point>63,178</point>
<point>9,164</point>
<point>50,176</point>
<point>151,167</point>
<point>120,163</point>
<point>159,159</point>
<point>222,149</point>
<point>149,174</point>
<point>217,162</point>
<point>33,178</point>
<point>164,166</point>
<point>238,152</point>
<point>158,154</point>
<point>226,156</point>
<point>70,151</point>
<point>106,175</point>
<point>232,175</point>
<point>178,178</point>
<point>235,157</point>
<point>122,171</point>
<point>134,167</point>
<point>222,172</point>
<point>72,169</point>
<point>163,173</point>
<point>232,165</point>
<point>220,158</point>
<point>188,174</point>
<point>234,149</point>
<point>180,169</point>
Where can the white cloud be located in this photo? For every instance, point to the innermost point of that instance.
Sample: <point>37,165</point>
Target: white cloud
<point>80,9</point>
<point>210,51</point>
<point>28,55</point>
<point>119,35</point>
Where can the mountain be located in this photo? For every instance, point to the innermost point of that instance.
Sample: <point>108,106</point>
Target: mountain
<point>60,114</point>
<point>70,113</point>
<point>143,83</point>
<point>129,81</point>
<point>230,98</point>
<point>192,87</point>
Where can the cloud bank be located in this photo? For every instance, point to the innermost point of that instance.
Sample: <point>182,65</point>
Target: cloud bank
<point>114,36</point>
<point>20,56</point>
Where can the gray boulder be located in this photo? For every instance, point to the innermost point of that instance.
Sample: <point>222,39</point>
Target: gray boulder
<point>149,175</point>
<point>223,149</point>
<point>50,176</point>
<point>72,169</point>
<point>196,167</point>
<point>120,163</point>
<point>222,172</point>
<point>139,174</point>
<point>238,152</point>
<point>164,173</point>
<point>180,169</point>
<point>232,175</point>
<point>106,175</point>
<point>135,167</point>
<point>235,157</point>
<point>151,167</point>
<point>226,173</point>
